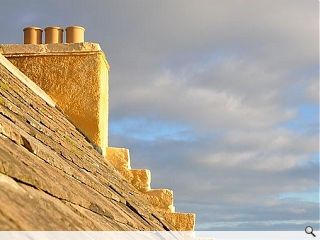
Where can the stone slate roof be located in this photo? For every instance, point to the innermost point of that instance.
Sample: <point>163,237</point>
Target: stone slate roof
<point>51,178</point>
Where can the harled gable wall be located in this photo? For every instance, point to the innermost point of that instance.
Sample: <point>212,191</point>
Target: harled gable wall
<point>75,76</point>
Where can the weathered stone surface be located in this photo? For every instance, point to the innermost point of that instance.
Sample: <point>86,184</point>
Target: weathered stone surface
<point>119,158</point>
<point>141,179</point>
<point>161,199</point>
<point>181,221</point>
<point>51,176</point>
<point>75,76</point>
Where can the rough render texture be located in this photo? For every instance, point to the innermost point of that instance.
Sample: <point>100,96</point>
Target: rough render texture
<point>75,76</point>
<point>141,179</point>
<point>181,220</point>
<point>161,199</point>
<point>119,157</point>
<point>51,178</point>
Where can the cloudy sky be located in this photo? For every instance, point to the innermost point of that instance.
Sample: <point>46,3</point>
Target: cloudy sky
<point>218,98</point>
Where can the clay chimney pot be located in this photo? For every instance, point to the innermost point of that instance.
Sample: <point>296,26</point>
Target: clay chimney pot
<point>53,34</point>
<point>75,34</point>
<point>32,35</point>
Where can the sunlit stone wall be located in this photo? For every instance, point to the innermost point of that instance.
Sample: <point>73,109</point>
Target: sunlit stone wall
<point>75,76</point>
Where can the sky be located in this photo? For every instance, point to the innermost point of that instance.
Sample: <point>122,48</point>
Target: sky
<point>219,99</point>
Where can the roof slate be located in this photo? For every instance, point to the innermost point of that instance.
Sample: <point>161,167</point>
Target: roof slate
<point>51,177</point>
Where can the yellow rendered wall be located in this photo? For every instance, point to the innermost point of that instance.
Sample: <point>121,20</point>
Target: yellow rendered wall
<point>78,83</point>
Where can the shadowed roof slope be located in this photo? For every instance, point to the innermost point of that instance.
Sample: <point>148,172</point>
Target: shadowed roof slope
<point>51,178</point>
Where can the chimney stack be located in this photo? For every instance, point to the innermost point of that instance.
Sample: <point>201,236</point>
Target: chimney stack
<point>32,35</point>
<point>75,34</point>
<point>53,34</point>
<point>74,74</point>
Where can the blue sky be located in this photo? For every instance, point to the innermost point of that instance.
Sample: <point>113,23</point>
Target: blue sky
<point>143,129</point>
<point>220,99</point>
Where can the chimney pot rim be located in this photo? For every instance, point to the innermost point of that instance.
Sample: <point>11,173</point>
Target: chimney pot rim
<point>32,27</point>
<point>53,27</point>
<point>75,27</point>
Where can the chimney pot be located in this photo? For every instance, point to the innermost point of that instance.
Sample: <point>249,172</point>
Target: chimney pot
<point>75,34</point>
<point>53,34</point>
<point>32,35</point>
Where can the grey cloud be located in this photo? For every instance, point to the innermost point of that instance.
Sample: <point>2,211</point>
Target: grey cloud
<point>312,91</point>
